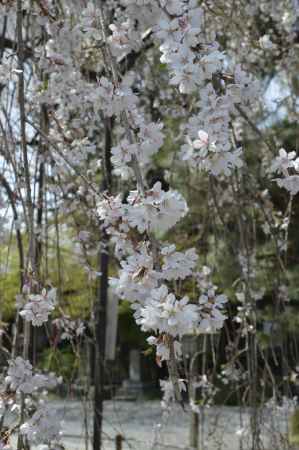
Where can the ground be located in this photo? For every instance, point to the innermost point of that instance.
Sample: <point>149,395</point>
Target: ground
<point>143,428</point>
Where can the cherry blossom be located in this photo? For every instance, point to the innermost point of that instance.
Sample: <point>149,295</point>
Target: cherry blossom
<point>136,278</point>
<point>44,427</point>
<point>163,313</point>
<point>158,211</point>
<point>162,349</point>
<point>211,306</point>
<point>282,165</point>
<point>20,377</point>
<point>39,307</point>
<point>178,265</point>
<point>290,183</point>
<point>283,162</point>
<point>169,393</point>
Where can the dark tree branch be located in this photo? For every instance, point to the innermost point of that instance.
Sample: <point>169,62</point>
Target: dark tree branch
<point>6,43</point>
<point>12,200</point>
<point>2,46</point>
<point>100,307</point>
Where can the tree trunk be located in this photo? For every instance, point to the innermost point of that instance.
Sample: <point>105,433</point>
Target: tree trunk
<point>100,307</point>
<point>194,430</point>
<point>100,332</point>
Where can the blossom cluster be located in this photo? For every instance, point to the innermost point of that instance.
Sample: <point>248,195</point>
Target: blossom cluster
<point>168,392</point>
<point>164,313</point>
<point>149,270</point>
<point>209,145</point>
<point>39,306</point>
<point>178,265</point>
<point>211,306</point>
<point>211,90</point>
<point>157,210</point>
<point>114,101</point>
<point>287,165</point>
<point>197,64</point>
<point>44,427</point>
<point>70,329</point>
<point>20,377</point>
<point>147,267</point>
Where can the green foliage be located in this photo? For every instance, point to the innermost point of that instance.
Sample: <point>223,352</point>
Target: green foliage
<point>294,428</point>
<point>61,361</point>
<point>76,292</point>
<point>9,279</point>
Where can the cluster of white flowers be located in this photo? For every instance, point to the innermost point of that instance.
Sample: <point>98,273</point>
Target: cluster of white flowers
<point>20,377</point>
<point>285,164</point>
<point>162,348</point>
<point>122,154</point>
<point>193,57</point>
<point>122,38</point>
<point>111,211</point>
<point>151,274</point>
<point>195,61</point>
<point>70,329</point>
<point>211,306</point>
<point>203,153</point>
<point>168,392</point>
<point>180,36</point>
<point>137,277</point>
<point>142,278</point>
<point>150,140</point>
<point>89,20</point>
<point>114,101</point>
<point>39,306</point>
<point>158,310</point>
<point>163,313</point>
<point>178,265</point>
<point>203,278</point>
<point>44,427</point>
<point>209,144</point>
<point>156,211</point>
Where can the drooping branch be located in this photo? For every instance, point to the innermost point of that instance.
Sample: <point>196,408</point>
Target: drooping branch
<point>21,95</point>
<point>30,264</point>
<point>12,199</point>
<point>141,184</point>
